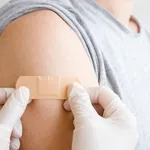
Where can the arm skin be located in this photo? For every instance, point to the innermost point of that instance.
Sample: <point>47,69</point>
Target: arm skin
<point>41,43</point>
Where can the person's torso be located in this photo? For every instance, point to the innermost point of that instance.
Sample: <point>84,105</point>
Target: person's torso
<point>120,57</point>
<point>123,62</point>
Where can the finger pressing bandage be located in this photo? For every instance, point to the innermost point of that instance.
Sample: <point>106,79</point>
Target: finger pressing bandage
<point>46,87</point>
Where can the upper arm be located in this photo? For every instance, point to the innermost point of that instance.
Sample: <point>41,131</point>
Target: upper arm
<point>41,43</point>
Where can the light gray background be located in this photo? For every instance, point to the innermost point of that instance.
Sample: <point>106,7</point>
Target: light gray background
<point>141,9</point>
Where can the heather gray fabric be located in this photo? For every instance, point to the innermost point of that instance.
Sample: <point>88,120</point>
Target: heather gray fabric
<point>120,57</point>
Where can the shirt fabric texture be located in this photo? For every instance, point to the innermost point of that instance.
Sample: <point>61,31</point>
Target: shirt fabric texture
<point>120,57</point>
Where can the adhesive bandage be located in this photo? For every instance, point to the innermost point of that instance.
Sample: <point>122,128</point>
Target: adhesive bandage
<point>46,87</point>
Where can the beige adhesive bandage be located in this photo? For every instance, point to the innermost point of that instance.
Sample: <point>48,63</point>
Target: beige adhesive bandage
<point>46,87</point>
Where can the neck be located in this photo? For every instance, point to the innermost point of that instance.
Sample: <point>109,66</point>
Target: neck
<point>120,9</point>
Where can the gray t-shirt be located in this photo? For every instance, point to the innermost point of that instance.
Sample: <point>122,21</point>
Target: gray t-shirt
<point>120,57</point>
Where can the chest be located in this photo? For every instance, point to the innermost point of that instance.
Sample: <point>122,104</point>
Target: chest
<point>126,68</point>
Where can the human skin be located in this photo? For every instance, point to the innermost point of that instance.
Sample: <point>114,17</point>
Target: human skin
<point>41,43</point>
<point>122,11</point>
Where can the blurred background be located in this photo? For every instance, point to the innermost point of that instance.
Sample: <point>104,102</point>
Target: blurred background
<point>141,9</point>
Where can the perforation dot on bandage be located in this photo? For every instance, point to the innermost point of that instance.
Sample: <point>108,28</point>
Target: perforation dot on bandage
<point>46,87</point>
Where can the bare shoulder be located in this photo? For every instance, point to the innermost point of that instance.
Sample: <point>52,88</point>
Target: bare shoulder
<point>41,43</point>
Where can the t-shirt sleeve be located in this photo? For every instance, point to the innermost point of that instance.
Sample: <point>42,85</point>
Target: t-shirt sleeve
<point>16,8</point>
<point>64,8</point>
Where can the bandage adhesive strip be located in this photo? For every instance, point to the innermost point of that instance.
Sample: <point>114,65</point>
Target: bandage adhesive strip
<point>46,87</point>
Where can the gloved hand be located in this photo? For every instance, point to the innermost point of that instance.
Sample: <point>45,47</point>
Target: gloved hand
<point>10,114</point>
<point>115,130</point>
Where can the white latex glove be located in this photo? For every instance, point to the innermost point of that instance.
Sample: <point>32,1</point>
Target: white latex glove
<point>10,114</point>
<point>115,130</point>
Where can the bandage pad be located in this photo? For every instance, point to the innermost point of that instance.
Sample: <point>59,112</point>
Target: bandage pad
<point>46,87</point>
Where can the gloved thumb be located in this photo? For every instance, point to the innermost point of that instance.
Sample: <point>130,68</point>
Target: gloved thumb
<point>14,108</point>
<point>79,102</point>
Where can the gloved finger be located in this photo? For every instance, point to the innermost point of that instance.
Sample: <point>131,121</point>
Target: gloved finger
<point>14,144</point>
<point>97,107</point>
<point>105,96</point>
<point>94,94</point>
<point>3,96</point>
<point>99,96</point>
<point>80,102</point>
<point>14,107</point>
<point>112,104</point>
<point>17,130</point>
<point>5,93</point>
<point>110,101</point>
<point>5,133</point>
